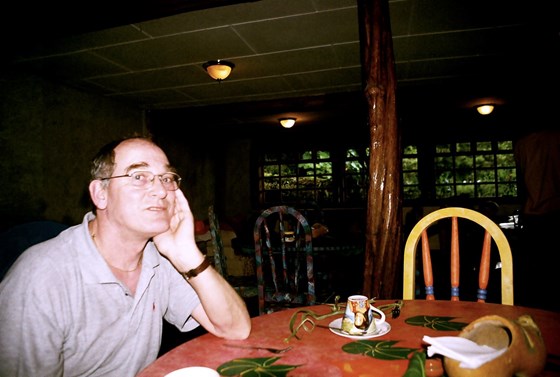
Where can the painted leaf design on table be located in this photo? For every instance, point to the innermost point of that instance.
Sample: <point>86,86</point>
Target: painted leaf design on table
<point>416,365</point>
<point>255,367</point>
<point>378,349</point>
<point>436,323</point>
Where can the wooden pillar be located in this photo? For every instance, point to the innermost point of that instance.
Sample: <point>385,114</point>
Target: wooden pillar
<point>382,268</point>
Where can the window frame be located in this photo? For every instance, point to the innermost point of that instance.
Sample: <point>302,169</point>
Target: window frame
<point>419,166</point>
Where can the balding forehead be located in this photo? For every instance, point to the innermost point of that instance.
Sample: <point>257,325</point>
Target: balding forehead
<point>134,153</point>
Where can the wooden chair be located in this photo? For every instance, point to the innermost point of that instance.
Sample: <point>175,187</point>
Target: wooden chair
<point>219,257</point>
<point>284,260</point>
<point>245,286</point>
<point>491,232</point>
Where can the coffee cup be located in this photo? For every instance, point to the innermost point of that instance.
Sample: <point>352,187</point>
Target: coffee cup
<point>360,317</point>
<point>289,236</point>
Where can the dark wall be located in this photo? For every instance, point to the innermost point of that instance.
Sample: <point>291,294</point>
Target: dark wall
<point>48,135</point>
<point>215,169</point>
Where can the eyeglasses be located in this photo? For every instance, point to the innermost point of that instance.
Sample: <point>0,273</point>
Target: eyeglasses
<point>143,179</point>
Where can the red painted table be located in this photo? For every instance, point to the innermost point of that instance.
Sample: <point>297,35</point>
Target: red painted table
<point>320,352</point>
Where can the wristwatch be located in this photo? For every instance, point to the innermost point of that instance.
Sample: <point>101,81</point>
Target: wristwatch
<point>195,271</point>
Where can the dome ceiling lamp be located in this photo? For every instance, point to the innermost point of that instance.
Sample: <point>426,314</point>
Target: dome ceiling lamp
<point>485,109</point>
<point>218,69</point>
<point>485,105</point>
<point>287,122</point>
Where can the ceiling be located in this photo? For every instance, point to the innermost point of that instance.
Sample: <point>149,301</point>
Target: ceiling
<point>286,52</point>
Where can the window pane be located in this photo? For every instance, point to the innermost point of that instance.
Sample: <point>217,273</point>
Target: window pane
<point>306,182</point>
<point>325,197</point>
<point>443,163</point>
<point>353,167</point>
<point>351,153</point>
<point>464,176</point>
<point>412,192</point>
<point>306,169</point>
<point>289,196</point>
<point>410,163</point>
<point>443,148</point>
<point>505,145</point>
<point>324,181</point>
<point>324,168</point>
<point>485,191</point>
<point>485,176</point>
<point>485,161</point>
<point>268,157</point>
<point>288,183</point>
<point>287,170</point>
<point>323,155</point>
<point>463,147</point>
<point>410,149</point>
<point>464,162</point>
<point>410,178</point>
<point>289,156</point>
<point>444,191</point>
<point>507,189</point>
<point>507,175</point>
<point>271,170</point>
<point>505,160</point>
<point>465,190</point>
<point>483,146</point>
<point>271,183</point>
<point>307,195</point>
<point>444,177</point>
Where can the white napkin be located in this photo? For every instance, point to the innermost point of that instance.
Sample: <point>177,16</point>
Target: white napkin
<point>470,354</point>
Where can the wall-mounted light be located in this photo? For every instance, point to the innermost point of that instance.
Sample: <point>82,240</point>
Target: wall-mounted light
<point>287,122</point>
<point>485,109</point>
<point>218,69</point>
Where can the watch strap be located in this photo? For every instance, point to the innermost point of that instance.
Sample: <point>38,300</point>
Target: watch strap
<point>196,271</point>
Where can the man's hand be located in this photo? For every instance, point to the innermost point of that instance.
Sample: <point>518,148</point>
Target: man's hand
<point>178,243</point>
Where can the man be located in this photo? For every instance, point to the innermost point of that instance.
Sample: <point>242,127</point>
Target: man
<point>91,301</point>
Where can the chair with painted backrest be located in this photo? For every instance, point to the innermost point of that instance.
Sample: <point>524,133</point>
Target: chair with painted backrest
<point>217,244</point>
<point>284,260</point>
<point>244,285</point>
<point>492,236</point>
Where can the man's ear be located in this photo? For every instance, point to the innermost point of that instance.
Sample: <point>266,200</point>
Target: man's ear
<point>98,193</point>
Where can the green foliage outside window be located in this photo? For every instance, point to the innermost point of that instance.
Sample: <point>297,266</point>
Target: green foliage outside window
<point>475,170</point>
<point>482,169</point>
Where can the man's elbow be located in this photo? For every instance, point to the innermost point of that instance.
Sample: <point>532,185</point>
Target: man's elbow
<point>240,331</point>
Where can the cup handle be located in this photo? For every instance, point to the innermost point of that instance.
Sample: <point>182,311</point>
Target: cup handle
<point>381,318</point>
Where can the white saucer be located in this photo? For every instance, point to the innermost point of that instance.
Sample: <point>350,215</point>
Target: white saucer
<point>335,325</point>
<point>193,372</point>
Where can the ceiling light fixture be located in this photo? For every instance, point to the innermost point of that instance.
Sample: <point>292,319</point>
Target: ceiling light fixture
<point>218,69</point>
<point>485,109</point>
<point>287,122</point>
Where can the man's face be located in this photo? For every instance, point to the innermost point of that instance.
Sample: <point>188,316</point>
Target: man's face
<point>145,211</point>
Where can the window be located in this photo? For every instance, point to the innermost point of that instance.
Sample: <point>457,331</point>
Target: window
<point>338,176</point>
<point>296,177</point>
<point>411,175</point>
<point>475,170</point>
<point>356,174</point>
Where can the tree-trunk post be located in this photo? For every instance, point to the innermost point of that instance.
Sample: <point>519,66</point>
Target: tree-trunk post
<point>384,207</point>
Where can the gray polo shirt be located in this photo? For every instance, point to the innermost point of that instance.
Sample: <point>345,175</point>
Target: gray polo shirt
<point>62,312</point>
